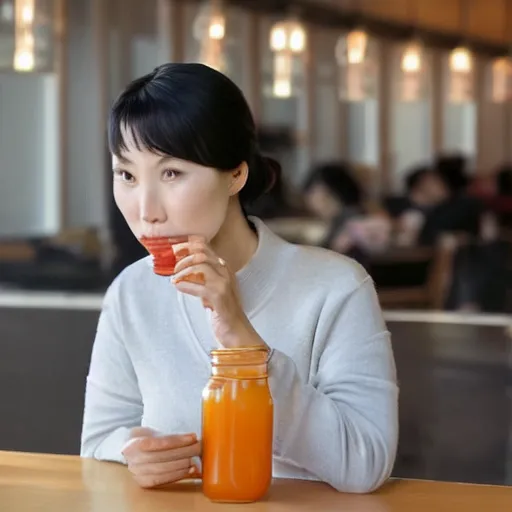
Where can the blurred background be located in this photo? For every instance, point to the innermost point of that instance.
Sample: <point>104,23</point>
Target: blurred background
<point>393,122</point>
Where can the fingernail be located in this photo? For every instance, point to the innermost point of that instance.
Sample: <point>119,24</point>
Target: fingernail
<point>192,438</point>
<point>192,470</point>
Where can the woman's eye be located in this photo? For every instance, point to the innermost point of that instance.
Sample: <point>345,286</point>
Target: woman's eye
<point>170,174</point>
<point>124,176</point>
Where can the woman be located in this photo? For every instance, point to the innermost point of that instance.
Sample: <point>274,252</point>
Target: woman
<point>186,162</point>
<point>356,228</point>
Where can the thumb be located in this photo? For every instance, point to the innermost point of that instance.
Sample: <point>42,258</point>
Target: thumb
<point>142,432</point>
<point>136,434</point>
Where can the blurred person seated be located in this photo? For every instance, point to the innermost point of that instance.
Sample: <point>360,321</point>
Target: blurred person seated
<point>495,191</point>
<point>479,277</point>
<point>502,205</point>
<point>504,181</point>
<point>425,190</point>
<point>437,203</point>
<point>453,171</point>
<point>332,193</point>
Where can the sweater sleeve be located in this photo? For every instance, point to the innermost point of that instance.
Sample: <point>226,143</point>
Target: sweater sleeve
<point>342,426</point>
<point>113,403</point>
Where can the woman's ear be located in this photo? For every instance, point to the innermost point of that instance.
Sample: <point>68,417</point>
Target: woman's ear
<point>238,178</point>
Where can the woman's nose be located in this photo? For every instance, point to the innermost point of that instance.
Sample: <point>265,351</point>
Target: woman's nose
<point>152,210</point>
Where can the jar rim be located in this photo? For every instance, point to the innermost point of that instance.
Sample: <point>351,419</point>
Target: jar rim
<point>238,350</point>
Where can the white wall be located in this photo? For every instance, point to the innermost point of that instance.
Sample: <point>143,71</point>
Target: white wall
<point>329,133</point>
<point>411,122</point>
<point>363,136</point>
<point>87,156</point>
<point>28,154</point>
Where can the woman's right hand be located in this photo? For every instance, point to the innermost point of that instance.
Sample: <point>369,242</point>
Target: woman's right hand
<point>156,460</point>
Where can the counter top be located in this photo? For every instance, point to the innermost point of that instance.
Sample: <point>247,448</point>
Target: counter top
<point>27,299</point>
<point>30,482</point>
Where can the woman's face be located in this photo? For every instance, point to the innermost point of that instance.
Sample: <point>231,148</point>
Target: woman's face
<point>163,196</point>
<point>322,203</point>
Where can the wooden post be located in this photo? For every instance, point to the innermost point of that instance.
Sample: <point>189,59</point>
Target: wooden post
<point>61,68</point>
<point>170,30</point>
<point>385,125</point>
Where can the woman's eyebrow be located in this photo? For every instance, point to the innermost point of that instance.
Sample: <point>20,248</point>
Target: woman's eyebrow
<point>124,160</point>
<point>165,159</point>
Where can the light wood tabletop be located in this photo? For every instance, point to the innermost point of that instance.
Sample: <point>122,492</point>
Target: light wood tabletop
<point>40,483</point>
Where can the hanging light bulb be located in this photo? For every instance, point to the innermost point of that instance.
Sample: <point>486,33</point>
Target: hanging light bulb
<point>357,42</point>
<point>217,28</point>
<point>283,74</point>
<point>412,72</point>
<point>24,56</point>
<point>278,38</point>
<point>288,35</point>
<point>501,71</point>
<point>461,75</point>
<point>24,60</point>
<point>412,58</point>
<point>288,40</point>
<point>27,13</point>
<point>297,38</point>
<point>461,60</point>
<point>357,69</point>
<point>209,29</point>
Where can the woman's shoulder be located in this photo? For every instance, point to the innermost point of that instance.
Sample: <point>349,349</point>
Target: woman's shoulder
<point>323,266</point>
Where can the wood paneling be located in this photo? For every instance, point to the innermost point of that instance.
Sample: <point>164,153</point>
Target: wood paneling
<point>443,15</point>
<point>483,19</point>
<point>488,19</point>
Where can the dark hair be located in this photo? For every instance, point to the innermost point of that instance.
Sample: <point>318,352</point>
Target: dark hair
<point>415,176</point>
<point>453,171</point>
<point>504,180</point>
<point>339,180</point>
<point>194,113</point>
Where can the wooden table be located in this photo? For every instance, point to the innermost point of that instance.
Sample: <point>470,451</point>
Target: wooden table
<point>33,483</point>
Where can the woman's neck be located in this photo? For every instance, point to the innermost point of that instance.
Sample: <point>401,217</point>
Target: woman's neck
<point>236,242</point>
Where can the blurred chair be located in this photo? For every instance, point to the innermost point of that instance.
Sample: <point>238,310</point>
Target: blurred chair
<point>16,251</point>
<point>70,260</point>
<point>85,241</point>
<point>433,292</point>
<point>299,230</point>
<point>506,237</point>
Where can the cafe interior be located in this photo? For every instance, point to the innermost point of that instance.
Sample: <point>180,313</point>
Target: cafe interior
<point>393,124</point>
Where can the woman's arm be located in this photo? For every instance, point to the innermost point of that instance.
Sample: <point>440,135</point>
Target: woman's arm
<point>343,426</point>
<point>113,405</point>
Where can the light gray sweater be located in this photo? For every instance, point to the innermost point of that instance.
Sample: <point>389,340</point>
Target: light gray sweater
<point>332,373</point>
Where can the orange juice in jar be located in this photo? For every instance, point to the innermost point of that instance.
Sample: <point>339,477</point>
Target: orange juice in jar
<point>237,426</point>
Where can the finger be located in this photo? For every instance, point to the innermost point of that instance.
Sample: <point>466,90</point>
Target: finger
<point>208,278</point>
<point>191,245</point>
<point>194,259</point>
<point>193,277</point>
<point>142,432</point>
<point>164,443</point>
<point>185,452</point>
<point>152,481</point>
<point>136,434</point>
<point>160,468</point>
<point>199,257</point>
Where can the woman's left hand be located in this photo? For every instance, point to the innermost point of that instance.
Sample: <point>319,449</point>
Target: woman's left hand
<point>218,289</point>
